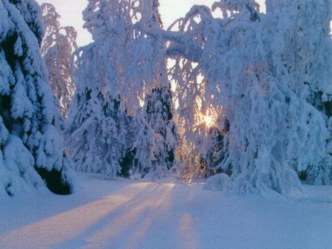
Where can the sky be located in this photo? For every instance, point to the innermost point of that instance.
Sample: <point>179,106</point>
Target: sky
<point>71,13</point>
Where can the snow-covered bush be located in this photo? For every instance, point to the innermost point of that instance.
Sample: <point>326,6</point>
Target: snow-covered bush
<point>219,182</point>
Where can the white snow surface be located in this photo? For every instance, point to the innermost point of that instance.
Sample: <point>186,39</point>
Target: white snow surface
<point>121,213</point>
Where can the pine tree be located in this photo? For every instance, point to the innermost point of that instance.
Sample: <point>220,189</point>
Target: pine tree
<point>95,130</point>
<point>94,133</point>
<point>123,64</point>
<point>159,125</point>
<point>140,147</point>
<point>216,152</point>
<point>158,114</point>
<point>31,153</point>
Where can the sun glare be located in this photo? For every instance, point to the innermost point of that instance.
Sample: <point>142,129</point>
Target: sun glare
<point>208,120</point>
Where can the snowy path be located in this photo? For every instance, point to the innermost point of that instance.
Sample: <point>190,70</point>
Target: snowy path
<point>146,215</point>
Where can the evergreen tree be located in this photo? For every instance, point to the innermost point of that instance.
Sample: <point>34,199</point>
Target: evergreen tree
<point>158,127</point>
<point>31,153</point>
<point>215,153</point>
<point>158,114</point>
<point>141,147</point>
<point>95,138</point>
<point>122,65</point>
<point>95,130</point>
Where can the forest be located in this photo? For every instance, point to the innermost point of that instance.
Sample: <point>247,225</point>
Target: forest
<point>212,133</point>
<point>229,95</point>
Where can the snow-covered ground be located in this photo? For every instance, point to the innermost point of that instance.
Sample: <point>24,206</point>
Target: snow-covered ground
<point>130,214</point>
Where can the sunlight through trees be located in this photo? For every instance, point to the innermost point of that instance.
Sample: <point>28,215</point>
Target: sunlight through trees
<point>231,89</point>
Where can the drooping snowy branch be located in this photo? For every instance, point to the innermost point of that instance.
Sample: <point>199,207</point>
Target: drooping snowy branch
<point>271,125</point>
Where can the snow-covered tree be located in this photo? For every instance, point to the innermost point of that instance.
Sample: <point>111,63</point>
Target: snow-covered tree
<point>95,141</point>
<point>158,105</point>
<point>122,64</point>
<point>303,59</point>
<point>31,153</point>
<point>140,148</point>
<point>272,129</point>
<point>57,48</point>
<point>153,148</point>
<point>158,114</point>
<point>215,151</point>
<point>191,95</point>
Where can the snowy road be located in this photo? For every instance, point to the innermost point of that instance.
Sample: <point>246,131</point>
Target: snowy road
<point>122,214</point>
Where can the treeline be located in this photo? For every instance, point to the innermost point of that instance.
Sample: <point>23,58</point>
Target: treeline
<point>245,95</point>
